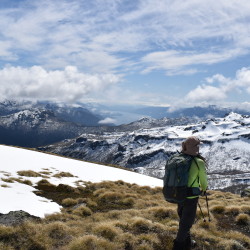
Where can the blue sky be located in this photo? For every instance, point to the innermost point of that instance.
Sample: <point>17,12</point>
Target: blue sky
<point>153,52</point>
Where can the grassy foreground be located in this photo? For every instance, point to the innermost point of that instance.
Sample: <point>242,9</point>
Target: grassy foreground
<point>118,215</point>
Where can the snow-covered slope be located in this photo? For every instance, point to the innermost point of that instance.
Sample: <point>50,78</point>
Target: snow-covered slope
<point>19,196</point>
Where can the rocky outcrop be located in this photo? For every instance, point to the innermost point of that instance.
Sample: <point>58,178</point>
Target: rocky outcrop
<point>16,218</point>
<point>245,193</point>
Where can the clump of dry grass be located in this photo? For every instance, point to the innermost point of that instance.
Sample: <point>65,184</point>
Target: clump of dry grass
<point>20,180</point>
<point>90,242</point>
<point>63,174</point>
<point>5,186</point>
<point>243,219</point>
<point>245,209</point>
<point>45,185</point>
<point>218,209</point>
<point>6,233</point>
<point>9,180</point>
<point>107,231</point>
<point>230,244</point>
<point>82,211</point>
<point>58,233</point>
<point>233,210</point>
<point>162,212</point>
<point>28,173</point>
<point>68,202</point>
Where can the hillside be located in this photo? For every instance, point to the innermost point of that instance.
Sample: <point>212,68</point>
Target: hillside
<point>20,167</point>
<point>225,146</point>
<point>106,215</point>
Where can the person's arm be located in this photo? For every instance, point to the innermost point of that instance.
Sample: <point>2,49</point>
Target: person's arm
<point>202,176</point>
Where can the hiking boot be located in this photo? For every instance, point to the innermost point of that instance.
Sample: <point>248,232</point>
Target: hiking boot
<point>179,245</point>
<point>189,243</point>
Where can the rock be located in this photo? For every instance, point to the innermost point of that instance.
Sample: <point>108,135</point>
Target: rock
<point>16,218</point>
<point>245,193</point>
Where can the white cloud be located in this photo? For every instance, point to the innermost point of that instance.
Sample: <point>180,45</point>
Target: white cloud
<point>206,93</point>
<point>67,85</point>
<point>176,62</point>
<point>225,86</point>
<point>60,33</point>
<point>107,120</point>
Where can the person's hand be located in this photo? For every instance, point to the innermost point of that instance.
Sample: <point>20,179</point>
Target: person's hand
<point>203,193</point>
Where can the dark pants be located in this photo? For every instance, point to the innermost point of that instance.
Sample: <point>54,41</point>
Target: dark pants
<point>187,212</point>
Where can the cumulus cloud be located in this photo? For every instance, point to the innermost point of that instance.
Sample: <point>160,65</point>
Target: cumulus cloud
<point>107,120</point>
<point>67,85</point>
<point>207,93</point>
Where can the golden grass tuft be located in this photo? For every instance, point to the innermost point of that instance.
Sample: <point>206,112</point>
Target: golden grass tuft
<point>5,186</point>
<point>6,233</point>
<point>245,209</point>
<point>218,209</point>
<point>163,212</point>
<point>243,219</point>
<point>91,242</point>
<point>114,200</point>
<point>29,173</point>
<point>20,180</point>
<point>107,231</point>
<point>233,210</point>
<point>68,202</point>
<point>230,244</point>
<point>63,174</point>
<point>59,233</point>
<point>141,225</point>
<point>82,211</point>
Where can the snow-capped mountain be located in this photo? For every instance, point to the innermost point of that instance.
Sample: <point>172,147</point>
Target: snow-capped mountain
<point>70,113</point>
<point>226,146</point>
<point>34,124</point>
<point>35,127</point>
<point>15,194</point>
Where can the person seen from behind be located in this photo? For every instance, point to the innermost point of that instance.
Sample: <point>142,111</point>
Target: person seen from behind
<point>187,209</point>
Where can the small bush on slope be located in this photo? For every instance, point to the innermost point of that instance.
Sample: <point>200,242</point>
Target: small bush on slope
<point>131,216</point>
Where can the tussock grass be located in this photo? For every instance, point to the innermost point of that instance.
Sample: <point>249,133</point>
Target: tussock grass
<point>90,242</point>
<point>63,174</point>
<point>20,180</point>
<point>107,231</point>
<point>233,209</point>
<point>68,202</point>
<point>243,219</point>
<point>28,173</point>
<point>245,209</point>
<point>5,186</point>
<point>82,211</point>
<point>123,216</point>
<point>230,244</point>
<point>218,209</point>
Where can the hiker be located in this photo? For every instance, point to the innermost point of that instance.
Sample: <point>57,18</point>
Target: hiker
<point>185,179</point>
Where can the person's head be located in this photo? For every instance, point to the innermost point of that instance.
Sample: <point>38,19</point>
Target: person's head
<point>191,146</point>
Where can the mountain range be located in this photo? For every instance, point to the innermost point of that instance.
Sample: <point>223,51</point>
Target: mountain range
<point>142,145</point>
<point>145,150</point>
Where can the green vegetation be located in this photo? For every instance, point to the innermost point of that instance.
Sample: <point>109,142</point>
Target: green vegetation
<point>119,215</point>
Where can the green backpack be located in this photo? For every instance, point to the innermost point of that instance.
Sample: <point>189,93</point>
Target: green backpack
<point>175,189</point>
